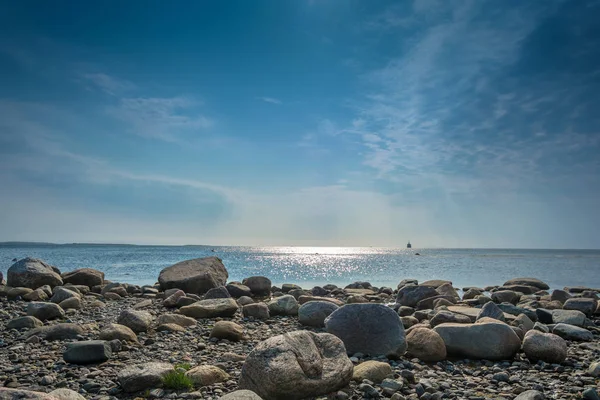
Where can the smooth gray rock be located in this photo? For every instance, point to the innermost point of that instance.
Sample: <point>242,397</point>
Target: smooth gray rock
<point>66,394</point>
<point>505,296</point>
<point>196,276</point>
<point>238,290</point>
<point>514,310</point>
<point>571,317</point>
<point>491,310</point>
<point>546,347</point>
<point>84,276</point>
<point>57,332</point>
<point>117,331</point>
<point>487,339</point>
<point>210,308</point>
<point>45,311</point>
<point>411,295</point>
<point>296,365</point>
<point>61,293</point>
<point>445,316</point>
<point>528,282</point>
<point>571,332</point>
<point>21,394</point>
<point>586,305</point>
<point>256,310</point>
<point>176,319</point>
<point>241,395</point>
<point>530,395</point>
<point>259,285</point>
<point>32,273</point>
<point>143,376</point>
<point>373,329</point>
<point>24,322</point>
<point>283,305</point>
<point>217,293</point>
<point>87,352</point>
<point>136,320</point>
<point>314,313</point>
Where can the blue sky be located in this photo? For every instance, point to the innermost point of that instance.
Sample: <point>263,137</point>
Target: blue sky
<point>315,122</point>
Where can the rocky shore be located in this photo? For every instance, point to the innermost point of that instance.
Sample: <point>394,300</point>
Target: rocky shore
<point>194,335</point>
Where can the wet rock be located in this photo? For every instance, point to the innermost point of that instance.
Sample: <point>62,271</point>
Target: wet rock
<point>546,347</point>
<point>227,330</point>
<point>314,313</point>
<point>32,273</point>
<point>87,352</point>
<point>206,375</point>
<point>137,321</point>
<point>368,328</point>
<point>259,285</point>
<point>210,308</point>
<point>375,371</point>
<point>426,345</point>
<point>284,305</point>
<point>194,276</point>
<point>487,339</point>
<point>296,365</point>
<point>84,276</point>
<point>143,376</point>
<point>45,311</point>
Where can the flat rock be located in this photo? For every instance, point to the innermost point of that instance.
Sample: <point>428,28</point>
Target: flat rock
<point>528,282</point>
<point>571,317</point>
<point>586,305</point>
<point>87,352</point>
<point>84,276</point>
<point>571,332</point>
<point>178,319</point>
<point>211,308</point>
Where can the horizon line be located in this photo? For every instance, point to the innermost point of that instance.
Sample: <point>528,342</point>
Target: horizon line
<point>16,242</point>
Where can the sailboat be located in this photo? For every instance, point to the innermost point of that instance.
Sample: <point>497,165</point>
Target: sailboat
<point>409,246</point>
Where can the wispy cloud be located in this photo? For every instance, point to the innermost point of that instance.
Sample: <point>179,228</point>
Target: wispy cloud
<point>108,84</point>
<point>271,100</point>
<point>172,119</point>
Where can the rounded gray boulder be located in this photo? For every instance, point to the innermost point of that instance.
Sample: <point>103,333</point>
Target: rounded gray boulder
<point>296,365</point>
<point>195,276</point>
<point>32,273</point>
<point>314,313</point>
<point>373,329</point>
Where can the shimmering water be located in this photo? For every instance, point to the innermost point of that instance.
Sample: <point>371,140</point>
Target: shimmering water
<point>308,266</point>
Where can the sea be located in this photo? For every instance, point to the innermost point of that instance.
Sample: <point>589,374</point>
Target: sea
<point>312,266</point>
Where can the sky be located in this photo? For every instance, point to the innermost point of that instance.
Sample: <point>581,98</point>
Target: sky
<point>309,122</point>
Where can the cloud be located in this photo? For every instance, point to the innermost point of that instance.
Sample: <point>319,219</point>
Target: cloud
<point>172,119</point>
<point>108,84</point>
<point>271,100</point>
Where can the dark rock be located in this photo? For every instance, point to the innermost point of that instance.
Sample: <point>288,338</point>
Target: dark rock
<point>32,273</point>
<point>85,276</point>
<point>87,352</point>
<point>259,285</point>
<point>194,276</point>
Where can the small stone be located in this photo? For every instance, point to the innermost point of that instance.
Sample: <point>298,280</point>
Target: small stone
<point>374,371</point>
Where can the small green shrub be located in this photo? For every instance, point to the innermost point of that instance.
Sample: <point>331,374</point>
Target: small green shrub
<point>177,380</point>
<point>186,366</point>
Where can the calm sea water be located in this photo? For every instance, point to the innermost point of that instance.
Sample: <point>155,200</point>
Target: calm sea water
<point>309,266</point>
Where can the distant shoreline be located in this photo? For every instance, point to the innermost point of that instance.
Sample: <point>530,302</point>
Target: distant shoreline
<point>83,244</point>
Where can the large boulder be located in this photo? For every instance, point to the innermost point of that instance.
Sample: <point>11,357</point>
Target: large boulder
<point>314,313</point>
<point>283,305</point>
<point>373,329</point>
<point>528,282</point>
<point>259,285</point>
<point>143,376</point>
<point>487,339</point>
<point>87,352</point>
<point>33,273</point>
<point>411,295</point>
<point>136,320</point>
<point>546,347</point>
<point>210,308</point>
<point>426,345</point>
<point>84,276</point>
<point>570,332</point>
<point>45,311</point>
<point>296,365</point>
<point>195,276</point>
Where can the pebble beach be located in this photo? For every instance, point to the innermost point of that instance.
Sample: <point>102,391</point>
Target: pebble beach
<point>196,335</point>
